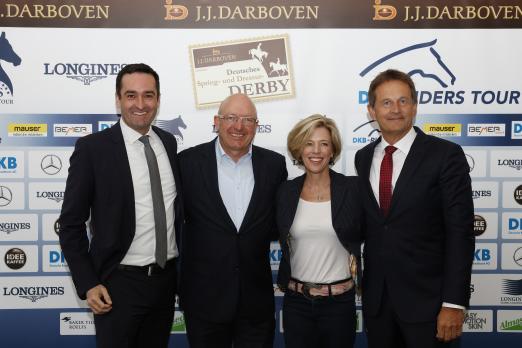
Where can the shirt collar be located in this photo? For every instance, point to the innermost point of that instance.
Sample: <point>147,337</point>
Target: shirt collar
<point>403,145</point>
<point>221,154</point>
<point>130,136</point>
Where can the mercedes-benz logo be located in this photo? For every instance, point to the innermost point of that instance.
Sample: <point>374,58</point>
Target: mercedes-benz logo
<point>517,256</point>
<point>6,196</point>
<point>471,162</point>
<point>51,164</point>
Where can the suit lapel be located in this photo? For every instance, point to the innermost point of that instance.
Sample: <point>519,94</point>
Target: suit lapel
<point>413,160</point>
<point>337,193</point>
<point>259,183</point>
<point>209,172</point>
<point>121,163</point>
<point>366,165</point>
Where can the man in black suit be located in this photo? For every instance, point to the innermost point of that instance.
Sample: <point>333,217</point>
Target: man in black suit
<point>229,194</point>
<point>126,179</point>
<point>419,241</point>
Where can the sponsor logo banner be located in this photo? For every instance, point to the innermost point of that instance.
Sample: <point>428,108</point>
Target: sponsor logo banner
<point>102,125</point>
<point>496,289</point>
<point>86,73</point>
<point>49,164</point>
<point>485,225</point>
<point>512,194</point>
<point>76,323</point>
<point>260,68</point>
<point>486,130</point>
<point>485,194</point>
<point>27,130</point>
<point>512,256</point>
<point>509,321</point>
<point>478,321</point>
<point>12,164</point>
<point>443,129</point>
<point>46,195</point>
<point>512,225</point>
<point>39,292</point>
<point>485,256</point>
<point>178,324</point>
<point>506,163</point>
<point>12,196</point>
<point>53,259</point>
<point>71,130</point>
<point>275,255</point>
<point>50,227</point>
<point>19,258</point>
<point>477,161</point>
<point>18,227</point>
<point>516,129</point>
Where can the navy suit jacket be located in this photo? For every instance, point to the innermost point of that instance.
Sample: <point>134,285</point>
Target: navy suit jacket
<point>225,272</point>
<point>99,185</point>
<point>346,215</point>
<point>423,249</point>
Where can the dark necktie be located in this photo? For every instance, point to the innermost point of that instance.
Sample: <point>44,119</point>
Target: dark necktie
<point>160,220</point>
<point>385,189</point>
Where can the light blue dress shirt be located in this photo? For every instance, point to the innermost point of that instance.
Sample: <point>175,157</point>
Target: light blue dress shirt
<point>236,183</point>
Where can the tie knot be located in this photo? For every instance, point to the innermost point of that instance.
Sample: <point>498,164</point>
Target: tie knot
<point>144,139</point>
<point>390,149</point>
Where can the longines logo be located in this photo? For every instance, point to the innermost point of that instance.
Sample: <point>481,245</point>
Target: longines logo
<point>510,162</point>
<point>173,126</point>
<point>9,55</point>
<point>33,293</point>
<point>10,227</point>
<point>481,193</point>
<point>6,196</point>
<point>56,196</point>
<point>51,164</point>
<point>83,72</point>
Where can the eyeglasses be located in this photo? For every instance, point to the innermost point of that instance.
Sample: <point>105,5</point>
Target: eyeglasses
<point>245,120</point>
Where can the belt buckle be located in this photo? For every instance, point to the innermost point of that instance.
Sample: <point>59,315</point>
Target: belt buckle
<point>307,287</point>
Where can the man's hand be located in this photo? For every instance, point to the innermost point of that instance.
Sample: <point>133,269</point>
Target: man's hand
<point>449,323</point>
<point>99,300</point>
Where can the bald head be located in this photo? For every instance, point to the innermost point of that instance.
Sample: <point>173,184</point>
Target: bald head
<point>237,100</point>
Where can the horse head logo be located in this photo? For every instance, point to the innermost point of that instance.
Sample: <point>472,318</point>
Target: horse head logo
<point>173,126</point>
<point>425,58</point>
<point>10,56</point>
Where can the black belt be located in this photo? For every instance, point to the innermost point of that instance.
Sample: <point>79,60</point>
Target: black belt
<point>152,269</point>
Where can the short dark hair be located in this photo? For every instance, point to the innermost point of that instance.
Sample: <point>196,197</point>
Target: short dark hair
<point>136,68</point>
<point>391,75</point>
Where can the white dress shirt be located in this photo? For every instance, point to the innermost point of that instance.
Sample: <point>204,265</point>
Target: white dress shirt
<point>399,156</point>
<point>142,248</point>
<point>236,183</point>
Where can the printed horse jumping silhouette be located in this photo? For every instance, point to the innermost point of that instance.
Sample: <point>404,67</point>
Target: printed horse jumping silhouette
<point>7,54</point>
<point>281,69</point>
<point>426,60</point>
<point>172,126</point>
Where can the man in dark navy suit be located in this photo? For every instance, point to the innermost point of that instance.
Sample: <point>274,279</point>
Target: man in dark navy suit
<point>419,240</point>
<point>126,179</point>
<point>229,193</point>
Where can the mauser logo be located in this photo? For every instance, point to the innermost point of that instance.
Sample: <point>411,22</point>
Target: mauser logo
<point>33,293</point>
<point>8,165</point>
<point>83,72</point>
<point>175,12</point>
<point>8,55</point>
<point>102,125</point>
<point>174,127</point>
<point>15,258</point>
<point>516,129</point>
<point>486,130</point>
<point>27,130</point>
<point>443,129</point>
<point>72,130</point>
<point>56,196</point>
<point>423,60</point>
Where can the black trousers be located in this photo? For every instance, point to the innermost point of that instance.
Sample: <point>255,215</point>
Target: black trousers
<point>326,322</point>
<point>387,330</point>
<point>142,310</point>
<point>242,332</point>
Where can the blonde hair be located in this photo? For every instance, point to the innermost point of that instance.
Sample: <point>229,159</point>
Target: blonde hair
<point>303,130</point>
